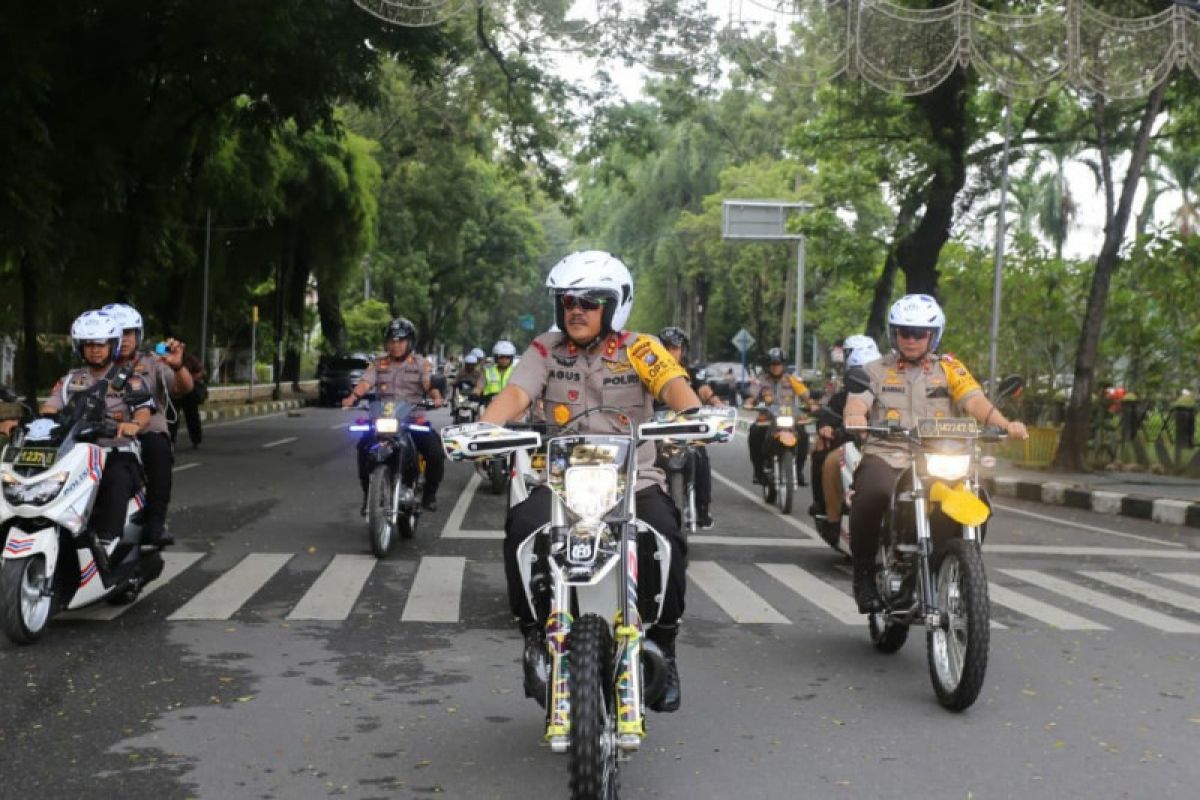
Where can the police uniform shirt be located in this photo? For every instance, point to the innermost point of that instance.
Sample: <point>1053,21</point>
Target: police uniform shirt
<point>404,379</point>
<point>903,393</point>
<point>118,410</point>
<point>781,391</point>
<point>160,382</point>
<point>628,371</point>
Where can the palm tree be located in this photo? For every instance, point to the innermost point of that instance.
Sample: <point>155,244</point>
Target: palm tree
<point>1056,207</point>
<point>1180,167</point>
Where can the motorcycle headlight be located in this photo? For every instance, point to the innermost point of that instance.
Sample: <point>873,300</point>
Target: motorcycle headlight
<point>387,425</point>
<point>785,422</point>
<point>590,491</point>
<point>947,467</point>
<point>33,494</point>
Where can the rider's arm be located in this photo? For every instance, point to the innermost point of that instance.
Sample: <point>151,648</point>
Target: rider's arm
<point>979,407</point>
<point>506,406</point>
<point>679,395</point>
<point>856,412</point>
<point>708,396</point>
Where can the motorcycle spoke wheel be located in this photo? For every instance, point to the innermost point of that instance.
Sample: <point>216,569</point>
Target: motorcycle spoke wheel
<point>593,750</point>
<point>379,511</point>
<point>25,610</point>
<point>958,652</point>
<point>785,469</point>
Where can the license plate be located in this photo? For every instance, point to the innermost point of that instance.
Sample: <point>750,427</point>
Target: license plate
<point>35,457</point>
<point>958,427</point>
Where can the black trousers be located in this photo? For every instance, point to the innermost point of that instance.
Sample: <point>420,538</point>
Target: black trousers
<point>654,508</point>
<point>428,444</point>
<point>188,407</point>
<point>873,483</point>
<point>703,480</point>
<point>158,457</point>
<point>816,482</point>
<point>121,480</point>
<point>757,439</point>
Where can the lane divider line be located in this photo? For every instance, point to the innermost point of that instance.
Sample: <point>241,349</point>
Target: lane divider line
<point>1083,526</point>
<point>278,442</point>
<point>452,528</point>
<point>185,467</point>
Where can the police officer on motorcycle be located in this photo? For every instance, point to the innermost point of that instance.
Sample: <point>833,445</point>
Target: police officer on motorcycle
<point>676,341</point>
<point>496,375</point>
<point>592,363</point>
<point>401,375</point>
<point>911,383</point>
<point>776,387</point>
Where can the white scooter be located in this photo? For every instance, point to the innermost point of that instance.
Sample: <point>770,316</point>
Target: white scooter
<point>51,475</point>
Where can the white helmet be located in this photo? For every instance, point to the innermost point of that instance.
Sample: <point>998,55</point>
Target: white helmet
<point>917,311</point>
<point>478,353</point>
<point>862,353</point>
<point>471,358</point>
<point>594,271</point>
<point>504,348</point>
<point>127,317</point>
<point>97,326</point>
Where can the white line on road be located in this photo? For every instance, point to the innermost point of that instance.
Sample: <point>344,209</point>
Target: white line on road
<point>332,595</point>
<point>1186,578</point>
<point>341,426</point>
<point>276,443</point>
<point>187,466</point>
<point>453,527</point>
<point>816,591</point>
<point>224,596</point>
<point>1043,612</point>
<point>737,600</point>
<point>435,592</point>
<point>1119,552</point>
<point>173,565</point>
<point>790,520</point>
<point>243,420</point>
<point>1103,601</point>
<point>1082,526</point>
<point>1169,596</point>
<point>754,541</point>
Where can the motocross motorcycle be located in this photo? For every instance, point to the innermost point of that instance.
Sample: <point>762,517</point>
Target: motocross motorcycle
<point>778,479</point>
<point>51,473</point>
<point>930,566</point>
<point>603,671</point>
<point>393,506</point>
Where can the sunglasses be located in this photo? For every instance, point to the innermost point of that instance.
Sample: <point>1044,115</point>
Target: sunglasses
<point>913,333</point>
<point>572,301</point>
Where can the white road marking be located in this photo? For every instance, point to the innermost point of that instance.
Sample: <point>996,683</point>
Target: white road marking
<point>1043,612</point>
<point>1130,584</point>
<point>1186,578</point>
<point>1082,526</point>
<point>1103,601</point>
<point>757,500</point>
<point>173,565</point>
<point>187,466</point>
<point>278,442</point>
<point>737,600</point>
<point>453,527</point>
<point>754,541</point>
<point>996,626</point>
<point>341,426</point>
<point>333,594</point>
<point>1054,550</point>
<point>816,591</point>
<point>224,596</point>
<point>243,420</point>
<point>436,590</point>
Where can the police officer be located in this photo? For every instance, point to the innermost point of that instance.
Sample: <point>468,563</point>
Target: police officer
<point>165,377</point>
<point>596,363</point>
<point>911,383</point>
<point>401,375</point>
<point>96,338</point>
<point>11,412</point>
<point>676,341</point>
<point>495,376</point>
<point>776,387</point>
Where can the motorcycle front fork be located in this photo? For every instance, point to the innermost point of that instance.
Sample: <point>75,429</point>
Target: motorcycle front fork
<point>930,612</point>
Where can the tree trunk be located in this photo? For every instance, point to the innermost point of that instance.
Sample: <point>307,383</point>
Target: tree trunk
<point>1072,446</point>
<point>29,345</point>
<point>294,295</point>
<point>329,311</point>
<point>877,319</point>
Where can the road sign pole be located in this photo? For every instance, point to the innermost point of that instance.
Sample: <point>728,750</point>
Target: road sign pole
<point>799,305</point>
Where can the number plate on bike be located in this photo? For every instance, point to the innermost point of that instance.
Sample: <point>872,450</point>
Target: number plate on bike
<point>957,427</point>
<point>35,457</point>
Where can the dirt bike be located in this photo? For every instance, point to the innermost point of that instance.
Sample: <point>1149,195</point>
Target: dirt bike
<point>678,460</point>
<point>51,473</point>
<point>778,478</point>
<point>392,504</point>
<point>603,671</point>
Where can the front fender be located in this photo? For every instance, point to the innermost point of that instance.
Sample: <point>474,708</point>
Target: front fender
<point>20,544</point>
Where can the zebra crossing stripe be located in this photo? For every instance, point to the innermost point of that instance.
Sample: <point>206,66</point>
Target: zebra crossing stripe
<point>1103,602</point>
<point>337,588</point>
<point>1169,596</point>
<point>173,565</point>
<point>734,597</point>
<point>436,590</point>
<point>224,596</point>
<point>1186,578</point>
<point>1053,616</point>
<point>816,591</point>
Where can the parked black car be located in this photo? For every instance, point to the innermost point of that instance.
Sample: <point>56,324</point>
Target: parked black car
<point>338,375</point>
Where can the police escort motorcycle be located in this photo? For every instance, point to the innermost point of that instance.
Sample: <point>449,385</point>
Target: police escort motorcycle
<point>393,504</point>
<point>778,479</point>
<point>51,473</point>
<point>603,671</point>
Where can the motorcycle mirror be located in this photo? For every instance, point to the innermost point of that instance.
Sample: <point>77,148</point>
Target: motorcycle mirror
<point>1010,386</point>
<point>857,380</point>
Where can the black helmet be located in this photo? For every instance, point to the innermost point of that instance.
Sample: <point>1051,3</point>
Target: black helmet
<point>776,356</point>
<point>672,336</point>
<point>399,328</point>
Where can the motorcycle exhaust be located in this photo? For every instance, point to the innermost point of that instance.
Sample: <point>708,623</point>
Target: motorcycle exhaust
<point>654,672</point>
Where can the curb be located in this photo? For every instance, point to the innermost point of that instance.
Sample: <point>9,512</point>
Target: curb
<point>1156,509</point>
<point>251,410</point>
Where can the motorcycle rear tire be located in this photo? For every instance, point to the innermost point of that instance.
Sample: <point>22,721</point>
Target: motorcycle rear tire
<point>785,476</point>
<point>24,622</point>
<point>958,654</point>
<point>593,748</point>
<point>767,481</point>
<point>379,505</point>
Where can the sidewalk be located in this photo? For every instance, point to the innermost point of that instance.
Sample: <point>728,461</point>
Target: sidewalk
<point>1161,498</point>
<point>229,402</point>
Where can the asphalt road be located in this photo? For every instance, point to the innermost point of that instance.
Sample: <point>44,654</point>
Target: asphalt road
<point>277,659</point>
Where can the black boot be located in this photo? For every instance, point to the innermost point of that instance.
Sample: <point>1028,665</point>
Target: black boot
<point>536,661</point>
<point>672,696</point>
<point>362,512</point>
<point>155,531</point>
<point>866,593</point>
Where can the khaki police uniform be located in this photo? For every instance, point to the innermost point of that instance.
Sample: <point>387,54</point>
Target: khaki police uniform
<point>160,381</point>
<point>786,390</point>
<point>116,407</point>
<point>404,379</point>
